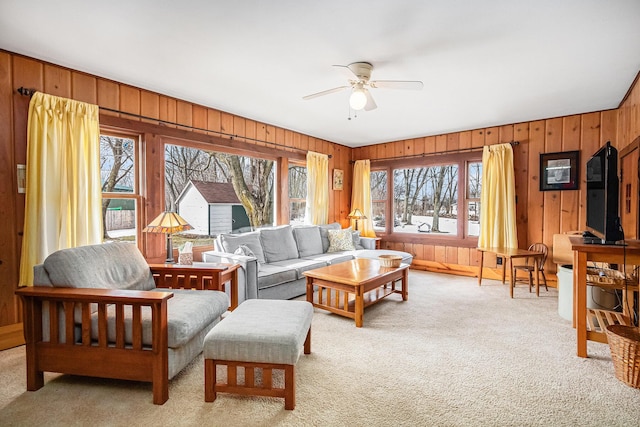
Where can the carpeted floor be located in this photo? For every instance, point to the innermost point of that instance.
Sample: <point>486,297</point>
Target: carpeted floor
<point>454,354</point>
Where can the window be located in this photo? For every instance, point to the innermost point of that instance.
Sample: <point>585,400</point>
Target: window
<point>120,196</point>
<point>297,193</point>
<point>425,200</point>
<point>426,196</point>
<point>217,192</point>
<point>474,185</point>
<point>379,199</point>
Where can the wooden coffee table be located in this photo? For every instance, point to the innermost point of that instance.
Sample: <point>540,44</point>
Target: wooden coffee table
<point>363,278</point>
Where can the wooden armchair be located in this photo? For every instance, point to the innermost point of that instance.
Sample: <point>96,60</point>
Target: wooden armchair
<point>125,327</point>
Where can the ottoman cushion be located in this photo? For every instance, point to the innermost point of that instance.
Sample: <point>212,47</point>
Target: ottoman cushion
<point>261,331</point>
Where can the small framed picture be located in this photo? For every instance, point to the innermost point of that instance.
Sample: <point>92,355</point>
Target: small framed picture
<point>560,171</point>
<point>338,178</point>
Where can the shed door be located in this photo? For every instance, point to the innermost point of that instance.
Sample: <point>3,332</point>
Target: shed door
<point>240,218</point>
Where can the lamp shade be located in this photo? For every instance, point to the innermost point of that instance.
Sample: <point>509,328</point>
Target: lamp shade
<point>167,222</point>
<point>356,214</point>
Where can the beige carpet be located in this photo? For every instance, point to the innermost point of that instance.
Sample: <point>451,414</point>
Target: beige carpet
<point>455,354</point>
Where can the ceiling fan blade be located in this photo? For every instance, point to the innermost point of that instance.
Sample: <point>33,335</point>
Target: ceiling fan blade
<point>326,92</point>
<point>371,104</point>
<point>347,72</point>
<point>397,84</point>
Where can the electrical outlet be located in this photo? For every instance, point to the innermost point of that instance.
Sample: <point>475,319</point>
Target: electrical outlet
<point>499,261</point>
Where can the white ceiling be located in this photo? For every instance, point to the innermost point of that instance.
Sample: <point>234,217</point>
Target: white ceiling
<point>483,63</point>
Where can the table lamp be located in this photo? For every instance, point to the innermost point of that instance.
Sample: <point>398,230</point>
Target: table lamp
<point>357,215</point>
<point>169,223</point>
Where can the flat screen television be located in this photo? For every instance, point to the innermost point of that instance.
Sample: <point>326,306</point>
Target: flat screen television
<point>603,195</point>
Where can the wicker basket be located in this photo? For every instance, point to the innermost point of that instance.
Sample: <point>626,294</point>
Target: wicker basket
<point>605,276</point>
<point>624,343</point>
<point>390,260</point>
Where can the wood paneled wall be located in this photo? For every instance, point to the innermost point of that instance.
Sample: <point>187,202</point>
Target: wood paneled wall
<point>540,215</point>
<point>20,71</point>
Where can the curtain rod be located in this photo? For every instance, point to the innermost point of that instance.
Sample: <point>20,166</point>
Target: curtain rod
<point>457,150</point>
<point>29,92</point>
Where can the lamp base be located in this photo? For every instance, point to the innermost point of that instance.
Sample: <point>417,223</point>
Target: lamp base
<point>169,259</point>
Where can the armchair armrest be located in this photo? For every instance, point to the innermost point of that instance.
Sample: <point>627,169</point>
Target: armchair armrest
<point>68,307</point>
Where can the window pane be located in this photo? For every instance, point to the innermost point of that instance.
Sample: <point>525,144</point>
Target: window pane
<point>117,164</point>
<point>201,186</point>
<point>297,193</point>
<point>379,199</point>
<point>474,186</point>
<point>425,200</point>
<point>119,216</point>
<point>474,180</point>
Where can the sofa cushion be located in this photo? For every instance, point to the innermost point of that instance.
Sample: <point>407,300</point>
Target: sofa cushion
<point>340,240</point>
<point>301,265</point>
<point>231,242</point>
<point>188,312</point>
<point>115,265</point>
<point>324,234</point>
<point>309,240</point>
<point>333,257</point>
<point>356,240</point>
<point>271,275</point>
<point>278,243</point>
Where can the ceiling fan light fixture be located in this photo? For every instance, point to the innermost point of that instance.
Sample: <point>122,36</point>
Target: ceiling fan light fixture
<point>358,99</point>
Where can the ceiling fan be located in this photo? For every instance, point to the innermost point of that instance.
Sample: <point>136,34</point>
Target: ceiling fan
<point>358,75</point>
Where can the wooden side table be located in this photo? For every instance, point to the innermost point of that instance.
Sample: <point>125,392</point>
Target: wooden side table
<point>202,276</point>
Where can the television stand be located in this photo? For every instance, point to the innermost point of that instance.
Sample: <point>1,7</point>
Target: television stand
<point>628,256</point>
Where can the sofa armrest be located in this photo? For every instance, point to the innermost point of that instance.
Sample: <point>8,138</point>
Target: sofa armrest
<point>247,273</point>
<point>368,242</point>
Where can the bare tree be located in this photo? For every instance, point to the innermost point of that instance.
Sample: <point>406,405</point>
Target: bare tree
<point>438,179</point>
<point>252,180</point>
<point>412,183</point>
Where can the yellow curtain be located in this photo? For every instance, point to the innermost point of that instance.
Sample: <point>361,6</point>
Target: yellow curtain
<point>498,198</point>
<point>64,194</point>
<point>361,196</point>
<point>317,207</point>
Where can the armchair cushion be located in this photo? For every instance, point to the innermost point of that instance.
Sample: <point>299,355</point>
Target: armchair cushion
<point>124,267</point>
<point>189,312</point>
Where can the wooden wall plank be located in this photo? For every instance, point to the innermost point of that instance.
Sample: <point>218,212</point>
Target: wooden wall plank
<point>84,88</point>
<point>8,232</point>
<point>535,203</point>
<point>57,81</point>
<point>552,199</point>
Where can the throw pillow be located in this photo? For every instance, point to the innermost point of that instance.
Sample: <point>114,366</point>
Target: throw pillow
<point>340,240</point>
<point>246,251</point>
<point>324,234</point>
<point>231,242</point>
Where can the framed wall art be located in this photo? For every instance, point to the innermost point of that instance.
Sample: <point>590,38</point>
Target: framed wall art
<point>338,178</point>
<point>560,171</point>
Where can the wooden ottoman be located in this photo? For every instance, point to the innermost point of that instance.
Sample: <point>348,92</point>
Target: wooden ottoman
<point>259,334</point>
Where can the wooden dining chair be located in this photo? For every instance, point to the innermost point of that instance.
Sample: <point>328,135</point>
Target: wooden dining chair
<point>529,266</point>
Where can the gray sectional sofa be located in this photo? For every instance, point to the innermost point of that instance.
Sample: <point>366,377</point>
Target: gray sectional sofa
<point>273,260</point>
